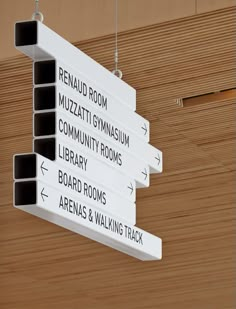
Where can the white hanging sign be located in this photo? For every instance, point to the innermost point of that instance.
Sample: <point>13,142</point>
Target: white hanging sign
<point>41,43</point>
<point>74,184</point>
<point>82,114</point>
<point>91,148</point>
<point>62,209</point>
<point>64,128</point>
<point>76,91</point>
<point>70,157</point>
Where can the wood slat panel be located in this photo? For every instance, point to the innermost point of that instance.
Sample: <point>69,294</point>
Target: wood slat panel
<point>191,205</point>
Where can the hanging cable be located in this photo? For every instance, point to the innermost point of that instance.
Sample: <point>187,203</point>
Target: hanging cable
<point>37,15</point>
<point>116,71</point>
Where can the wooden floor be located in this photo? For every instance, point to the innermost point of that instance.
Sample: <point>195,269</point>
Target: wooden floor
<point>191,205</point>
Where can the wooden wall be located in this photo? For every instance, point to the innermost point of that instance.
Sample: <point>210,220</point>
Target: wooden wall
<point>191,205</point>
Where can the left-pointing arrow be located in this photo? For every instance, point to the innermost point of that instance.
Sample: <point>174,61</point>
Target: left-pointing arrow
<point>43,194</point>
<point>43,168</point>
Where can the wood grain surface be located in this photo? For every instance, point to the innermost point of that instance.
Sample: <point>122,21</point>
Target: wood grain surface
<point>191,206</point>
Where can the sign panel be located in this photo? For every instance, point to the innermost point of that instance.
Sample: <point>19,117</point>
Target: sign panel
<point>65,180</point>
<point>61,209</point>
<point>76,90</point>
<point>72,158</point>
<point>41,43</point>
<point>62,126</point>
<point>96,121</point>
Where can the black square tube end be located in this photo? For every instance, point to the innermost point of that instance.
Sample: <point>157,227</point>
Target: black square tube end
<point>24,166</point>
<point>26,33</point>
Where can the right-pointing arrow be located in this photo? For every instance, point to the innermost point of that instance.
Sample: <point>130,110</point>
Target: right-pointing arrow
<point>158,158</point>
<point>145,173</point>
<point>131,188</point>
<point>144,128</point>
<point>43,194</point>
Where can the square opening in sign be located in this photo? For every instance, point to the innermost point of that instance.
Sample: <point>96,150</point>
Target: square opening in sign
<point>25,193</point>
<point>25,166</point>
<point>26,33</point>
<point>45,72</point>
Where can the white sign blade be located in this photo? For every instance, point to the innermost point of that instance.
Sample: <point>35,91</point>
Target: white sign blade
<point>41,43</point>
<point>69,213</point>
<point>56,99</point>
<point>68,156</point>
<point>34,166</point>
<point>78,89</point>
<point>60,125</point>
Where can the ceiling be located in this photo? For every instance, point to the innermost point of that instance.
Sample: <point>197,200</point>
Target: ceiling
<point>190,206</point>
<point>78,20</point>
